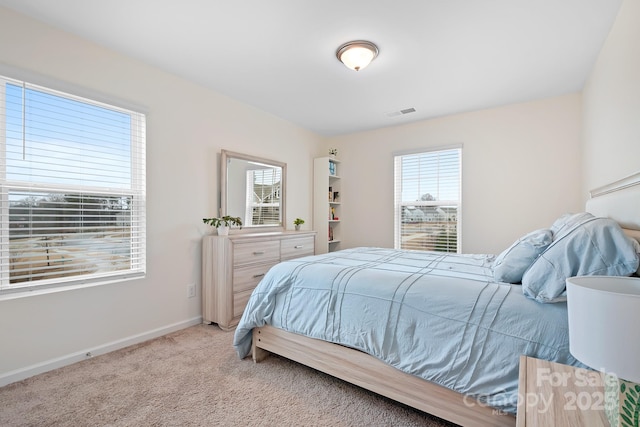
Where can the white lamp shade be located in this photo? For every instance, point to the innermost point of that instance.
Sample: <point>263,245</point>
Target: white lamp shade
<point>604,319</point>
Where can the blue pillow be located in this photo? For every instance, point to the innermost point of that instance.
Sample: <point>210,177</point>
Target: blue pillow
<point>567,221</point>
<point>592,247</point>
<point>511,264</point>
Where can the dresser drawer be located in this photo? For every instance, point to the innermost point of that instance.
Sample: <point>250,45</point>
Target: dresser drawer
<point>247,278</point>
<point>252,252</point>
<point>298,247</point>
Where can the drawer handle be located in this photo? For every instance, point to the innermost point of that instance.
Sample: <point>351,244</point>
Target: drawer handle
<point>255,276</point>
<point>298,246</point>
<point>259,253</point>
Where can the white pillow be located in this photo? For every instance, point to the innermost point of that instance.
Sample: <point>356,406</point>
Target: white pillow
<point>511,264</point>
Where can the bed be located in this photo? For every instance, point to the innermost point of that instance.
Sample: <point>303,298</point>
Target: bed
<point>442,333</point>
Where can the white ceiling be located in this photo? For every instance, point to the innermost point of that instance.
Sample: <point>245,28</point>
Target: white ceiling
<point>437,56</point>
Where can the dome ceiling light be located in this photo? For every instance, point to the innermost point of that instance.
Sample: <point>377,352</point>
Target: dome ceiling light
<point>357,54</point>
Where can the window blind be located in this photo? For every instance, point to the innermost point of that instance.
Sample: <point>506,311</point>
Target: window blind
<point>72,178</point>
<point>427,200</point>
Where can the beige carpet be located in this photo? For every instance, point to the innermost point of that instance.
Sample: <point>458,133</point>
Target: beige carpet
<point>193,378</point>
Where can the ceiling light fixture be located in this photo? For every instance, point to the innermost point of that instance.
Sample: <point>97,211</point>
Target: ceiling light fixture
<point>357,54</point>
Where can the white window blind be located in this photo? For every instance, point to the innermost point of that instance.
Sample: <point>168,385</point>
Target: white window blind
<point>263,196</point>
<point>427,200</point>
<point>72,178</point>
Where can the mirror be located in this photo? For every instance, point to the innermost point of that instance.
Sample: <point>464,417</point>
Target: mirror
<point>253,189</point>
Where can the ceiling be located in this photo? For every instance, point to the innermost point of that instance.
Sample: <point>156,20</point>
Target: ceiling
<point>439,57</point>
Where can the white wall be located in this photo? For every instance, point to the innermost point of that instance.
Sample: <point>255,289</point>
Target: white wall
<point>520,171</point>
<point>611,109</point>
<point>187,126</point>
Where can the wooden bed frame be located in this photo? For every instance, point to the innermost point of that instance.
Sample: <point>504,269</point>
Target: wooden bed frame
<point>372,374</point>
<point>619,201</point>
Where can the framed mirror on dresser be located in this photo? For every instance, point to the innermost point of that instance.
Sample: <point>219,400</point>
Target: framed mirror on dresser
<point>254,189</point>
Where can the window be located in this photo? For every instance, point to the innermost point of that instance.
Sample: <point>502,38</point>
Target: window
<point>72,190</point>
<point>427,200</point>
<point>263,196</point>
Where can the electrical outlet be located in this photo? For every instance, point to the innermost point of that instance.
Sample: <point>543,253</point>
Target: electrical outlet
<point>191,290</point>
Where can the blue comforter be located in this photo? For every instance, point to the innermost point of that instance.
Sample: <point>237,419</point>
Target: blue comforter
<point>437,316</point>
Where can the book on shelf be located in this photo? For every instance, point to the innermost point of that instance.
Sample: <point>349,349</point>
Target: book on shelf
<point>332,168</point>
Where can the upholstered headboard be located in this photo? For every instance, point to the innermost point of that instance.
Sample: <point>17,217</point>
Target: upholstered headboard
<point>619,201</point>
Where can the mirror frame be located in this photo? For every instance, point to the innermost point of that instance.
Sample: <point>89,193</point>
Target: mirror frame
<point>226,155</point>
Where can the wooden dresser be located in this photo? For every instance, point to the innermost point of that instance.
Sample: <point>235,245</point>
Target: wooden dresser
<point>233,265</point>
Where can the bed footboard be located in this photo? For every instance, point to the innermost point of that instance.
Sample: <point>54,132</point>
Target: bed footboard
<point>370,373</point>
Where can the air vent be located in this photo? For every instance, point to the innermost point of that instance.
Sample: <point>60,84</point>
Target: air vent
<point>400,112</point>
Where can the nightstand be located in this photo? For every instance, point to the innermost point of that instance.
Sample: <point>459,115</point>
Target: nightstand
<point>552,394</point>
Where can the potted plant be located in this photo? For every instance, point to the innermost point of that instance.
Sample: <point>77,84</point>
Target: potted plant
<point>298,222</point>
<point>222,224</point>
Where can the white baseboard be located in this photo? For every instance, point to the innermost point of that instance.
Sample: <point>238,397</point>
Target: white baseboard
<point>39,368</point>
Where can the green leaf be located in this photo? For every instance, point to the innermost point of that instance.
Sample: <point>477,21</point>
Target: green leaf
<point>628,404</point>
<point>626,420</point>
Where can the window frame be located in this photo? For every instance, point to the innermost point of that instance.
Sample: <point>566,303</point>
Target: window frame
<point>398,204</point>
<point>136,190</point>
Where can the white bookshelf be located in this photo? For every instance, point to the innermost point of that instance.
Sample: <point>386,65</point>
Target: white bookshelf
<point>326,207</point>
